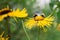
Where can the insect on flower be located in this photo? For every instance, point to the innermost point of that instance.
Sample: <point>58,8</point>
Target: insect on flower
<point>4,11</point>
<point>11,13</point>
<point>39,21</point>
<point>38,17</point>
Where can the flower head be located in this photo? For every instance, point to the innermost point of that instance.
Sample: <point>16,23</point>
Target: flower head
<point>40,21</point>
<point>18,13</point>
<point>2,38</point>
<point>8,12</point>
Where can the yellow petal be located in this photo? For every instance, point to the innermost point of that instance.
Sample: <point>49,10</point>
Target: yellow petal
<point>18,13</point>
<point>30,23</point>
<point>46,22</point>
<point>3,16</point>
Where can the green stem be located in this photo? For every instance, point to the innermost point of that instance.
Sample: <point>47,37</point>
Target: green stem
<point>8,27</point>
<point>38,33</point>
<point>53,11</point>
<point>25,31</point>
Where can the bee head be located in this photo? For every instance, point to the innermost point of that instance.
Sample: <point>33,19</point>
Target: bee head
<point>38,17</point>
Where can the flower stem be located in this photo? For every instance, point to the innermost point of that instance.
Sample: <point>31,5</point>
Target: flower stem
<point>8,27</point>
<point>25,31</point>
<point>38,33</point>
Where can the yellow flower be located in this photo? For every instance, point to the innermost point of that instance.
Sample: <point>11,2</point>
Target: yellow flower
<point>58,27</point>
<point>39,21</point>
<point>8,12</point>
<point>4,13</point>
<point>2,38</point>
<point>18,13</point>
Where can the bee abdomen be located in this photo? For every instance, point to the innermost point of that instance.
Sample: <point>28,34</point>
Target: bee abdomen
<point>4,12</point>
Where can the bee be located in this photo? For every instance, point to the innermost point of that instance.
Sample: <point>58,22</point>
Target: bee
<point>38,17</point>
<point>5,11</point>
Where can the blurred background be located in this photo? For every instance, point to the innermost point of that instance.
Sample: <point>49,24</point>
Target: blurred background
<point>42,6</point>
